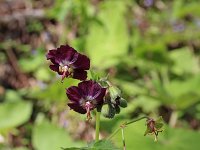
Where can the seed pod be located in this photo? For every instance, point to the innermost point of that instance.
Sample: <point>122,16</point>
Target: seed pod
<point>154,127</point>
<point>123,103</point>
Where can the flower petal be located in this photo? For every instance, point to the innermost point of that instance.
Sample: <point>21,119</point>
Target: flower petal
<point>82,62</point>
<point>76,107</point>
<point>68,56</point>
<point>65,48</point>
<point>74,94</point>
<point>64,58</point>
<point>51,54</point>
<point>55,68</point>
<point>100,97</point>
<point>90,88</point>
<point>64,53</point>
<point>79,74</point>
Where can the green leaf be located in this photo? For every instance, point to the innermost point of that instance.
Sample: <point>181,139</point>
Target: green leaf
<point>184,61</point>
<point>74,148</point>
<point>148,104</point>
<point>104,145</point>
<point>185,93</point>
<point>60,10</point>
<point>100,145</point>
<point>108,41</point>
<point>54,91</point>
<point>47,136</point>
<point>43,74</point>
<point>94,75</point>
<point>12,96</point>
<point>31,63</point>
<point>20,148</point>
<point>159,123</point>
<point>13,114</point>
<point>9,148</point>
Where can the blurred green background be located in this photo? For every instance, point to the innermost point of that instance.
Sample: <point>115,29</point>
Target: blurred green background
<point>150,49</point>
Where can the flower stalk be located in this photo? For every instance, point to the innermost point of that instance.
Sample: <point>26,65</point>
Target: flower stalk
<point>97,126</point>
<point>123,138</point>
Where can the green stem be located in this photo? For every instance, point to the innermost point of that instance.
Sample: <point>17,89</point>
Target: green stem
<point>124,125</point>
<point>135,120</point>
<point>173,118</point>
<point>123,139</point>
<point>113,134</point>
<point>97,126</point>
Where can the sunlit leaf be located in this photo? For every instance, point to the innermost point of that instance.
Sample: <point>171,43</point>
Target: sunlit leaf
<point>47,136</point>
<point>104,144</point>
<point>13,114</point>
<point>108,42</point>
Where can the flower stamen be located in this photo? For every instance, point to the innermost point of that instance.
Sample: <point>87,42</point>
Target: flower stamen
<point>66,71</point>
<point>88,107</point>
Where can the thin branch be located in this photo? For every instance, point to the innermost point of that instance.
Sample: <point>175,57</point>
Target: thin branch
<point>124,125</point>
<point>138,119</point>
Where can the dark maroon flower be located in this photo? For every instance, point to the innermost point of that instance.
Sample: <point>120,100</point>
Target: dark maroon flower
<point>68,62</point>
<point>85,97</point>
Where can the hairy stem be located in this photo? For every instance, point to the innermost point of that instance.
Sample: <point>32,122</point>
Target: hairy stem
<point>135,120</point>
<point>97,126</point>
<point>124,125</point>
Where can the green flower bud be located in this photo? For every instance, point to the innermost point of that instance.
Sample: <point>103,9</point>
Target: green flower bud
<point>114,93</point>
<point>122,103</point>
<point>109,111</point>
<point>117,109</point>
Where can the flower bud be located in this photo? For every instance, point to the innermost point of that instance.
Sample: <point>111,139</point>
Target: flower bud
<point>114,102</point>
<point>114,93</point>
<point>122,103</point>
<point>109,111</point>
<point>117,109</point>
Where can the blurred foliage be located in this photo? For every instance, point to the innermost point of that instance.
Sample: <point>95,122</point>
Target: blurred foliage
<point>170,138</point>
<point>149,48</point>
<point>101,144</point>
<point>46,135</point>
<point>9,118</point>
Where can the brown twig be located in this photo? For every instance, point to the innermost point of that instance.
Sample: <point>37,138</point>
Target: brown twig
<point>13,61</point>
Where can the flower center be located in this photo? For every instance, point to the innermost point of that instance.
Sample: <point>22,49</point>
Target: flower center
<point>63,68</point>
<point>66,71</point>
<point>88,107</point>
